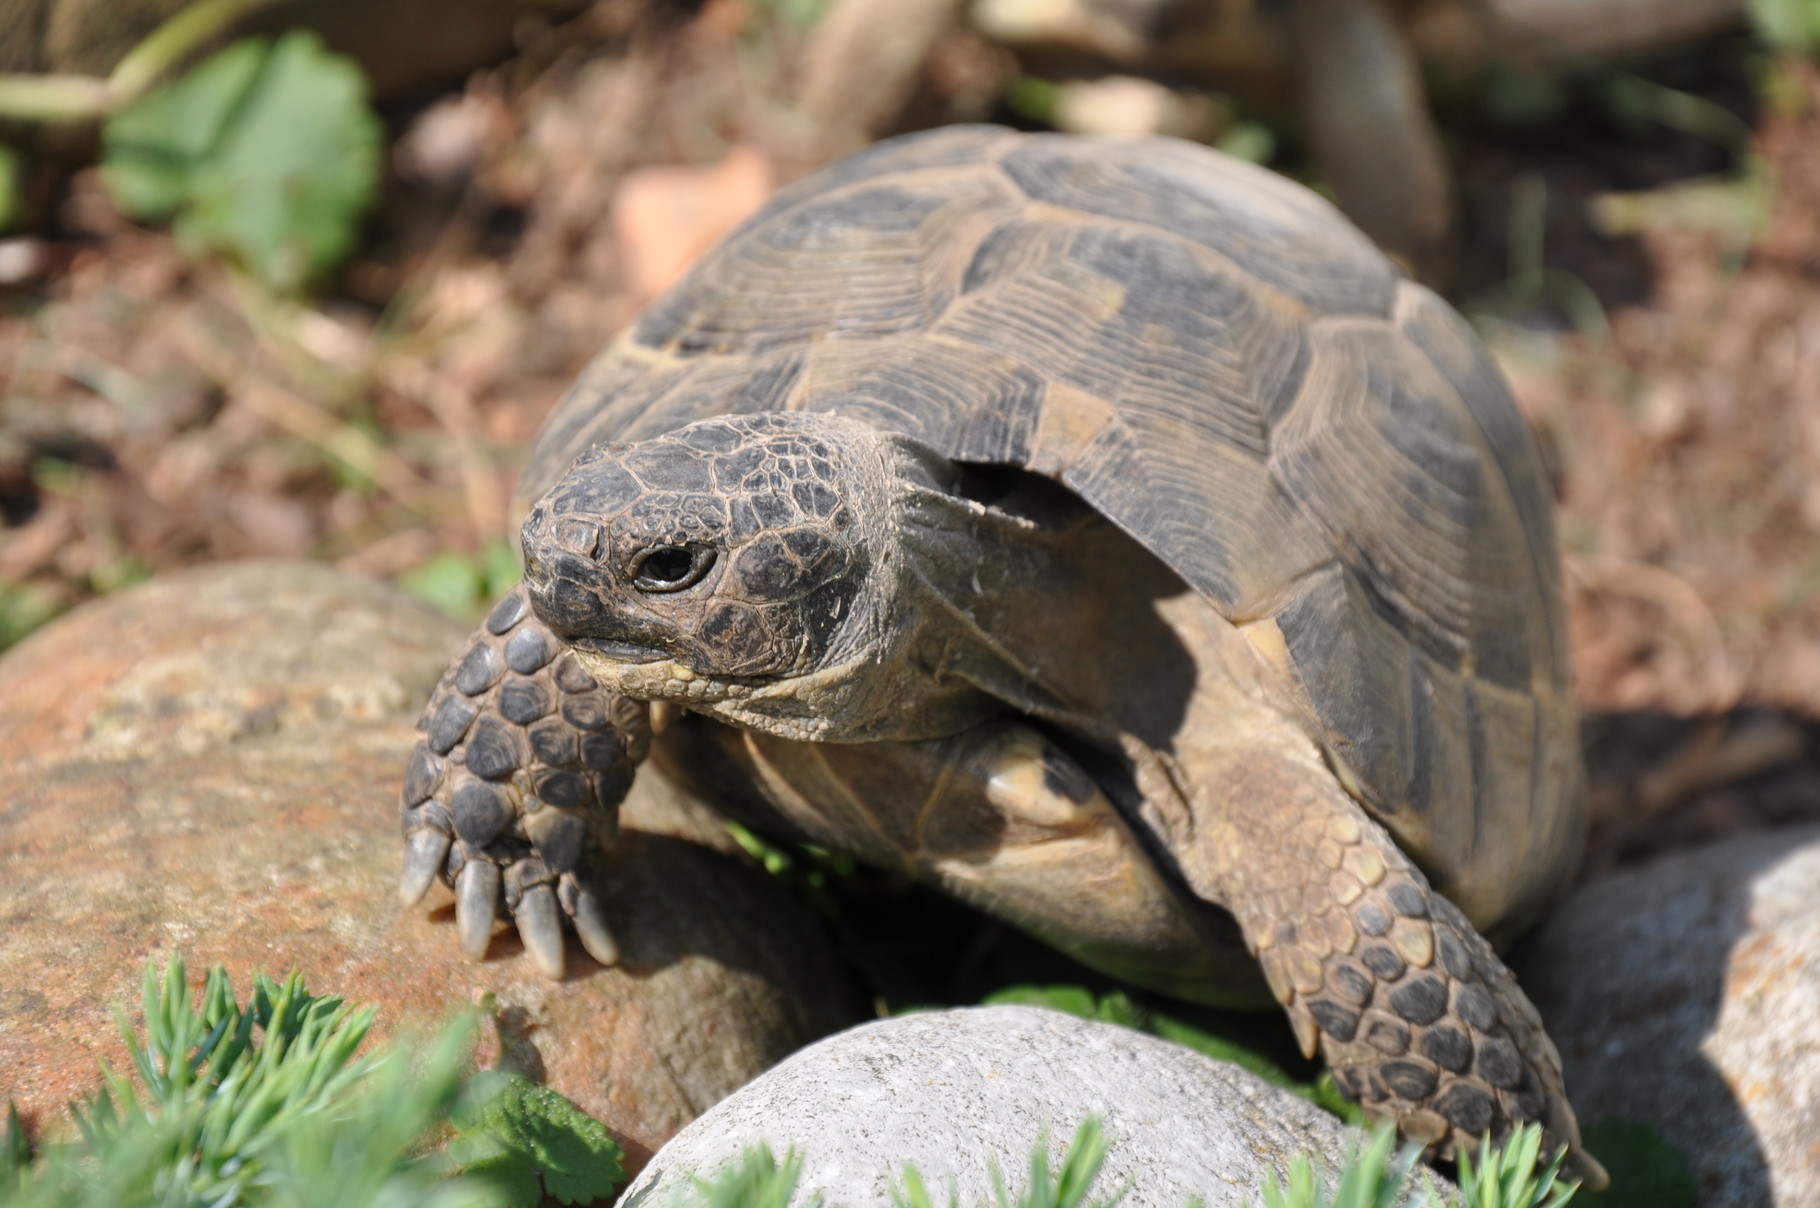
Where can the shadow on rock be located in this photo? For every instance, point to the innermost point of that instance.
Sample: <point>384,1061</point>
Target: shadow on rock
<point>1686,993</point>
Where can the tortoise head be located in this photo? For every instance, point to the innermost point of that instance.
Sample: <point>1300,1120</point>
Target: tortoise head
<point>740,566</point>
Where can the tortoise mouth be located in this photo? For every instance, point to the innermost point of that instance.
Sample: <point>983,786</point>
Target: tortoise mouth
<point>618,651</point>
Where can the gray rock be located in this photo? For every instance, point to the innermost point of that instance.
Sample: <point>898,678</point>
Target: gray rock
<point>1687,993</point>
<point>951,1092</point>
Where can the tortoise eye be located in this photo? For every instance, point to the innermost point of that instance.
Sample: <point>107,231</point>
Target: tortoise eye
<point>670,567</point>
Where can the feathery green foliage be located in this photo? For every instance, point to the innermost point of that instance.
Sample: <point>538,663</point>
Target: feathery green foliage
<point>1067,1187</point>
<point>269,1105</point>
<point>262,1104</point>
<point>1503,1176</point>
<point>1368,1178</point>
<point>1507,1176</point>
<point>758,1180</point>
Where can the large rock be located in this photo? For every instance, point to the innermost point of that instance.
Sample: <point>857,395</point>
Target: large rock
<point>951,1092</point>
<point>1687,993</point>
<point>209,765</point>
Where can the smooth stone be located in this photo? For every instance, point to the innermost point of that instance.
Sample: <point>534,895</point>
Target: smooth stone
<point>1686,993</point>
<point>210,764</point>
<point>952,1092</point>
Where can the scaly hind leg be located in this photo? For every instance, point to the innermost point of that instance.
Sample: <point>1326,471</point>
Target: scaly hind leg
<point>1385,978</point>
<point>515,786</point>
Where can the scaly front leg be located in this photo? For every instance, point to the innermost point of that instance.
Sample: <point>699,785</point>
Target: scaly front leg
<point>513,791</point>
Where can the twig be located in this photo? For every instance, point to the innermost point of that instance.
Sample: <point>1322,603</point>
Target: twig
<point>300,417</point>
<point>79,98</point>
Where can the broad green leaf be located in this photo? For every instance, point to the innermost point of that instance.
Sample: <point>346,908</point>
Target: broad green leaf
<point>266,152</point>
<point>150,149</point>
<point>516,1128</point>
<point>285,188</point>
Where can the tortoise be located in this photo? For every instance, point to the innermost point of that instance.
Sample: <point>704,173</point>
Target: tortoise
<point>1101,530</point>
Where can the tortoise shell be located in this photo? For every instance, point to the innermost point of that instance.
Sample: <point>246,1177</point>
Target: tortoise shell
<point>1213,358</point>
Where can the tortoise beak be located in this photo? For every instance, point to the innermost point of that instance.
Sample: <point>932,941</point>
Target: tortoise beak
<point>618,651</point>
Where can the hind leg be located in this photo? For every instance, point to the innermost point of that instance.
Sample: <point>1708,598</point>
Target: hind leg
<point>1383,977</point>
<point>514,789</point>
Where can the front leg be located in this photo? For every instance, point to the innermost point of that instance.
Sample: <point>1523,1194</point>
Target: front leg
<point>513,791</point>
<point>1418,1018</point>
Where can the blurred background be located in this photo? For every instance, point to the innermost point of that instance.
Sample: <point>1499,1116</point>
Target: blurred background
<point>301,279</point>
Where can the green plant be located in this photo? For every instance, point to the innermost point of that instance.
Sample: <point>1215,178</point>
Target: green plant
<point>757,1180</point>
<point>1503,1176</point>
<point>270,1104</point>
<point>465,585</point>
<point>266,152</point>
<point>1788,24</point>
<point>1506,1176</point>
<point>1063,1188</point>
<point>530,1141</point>
<point>1368,1178</point>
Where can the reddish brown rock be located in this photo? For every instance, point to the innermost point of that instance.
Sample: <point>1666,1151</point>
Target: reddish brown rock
<point>208,765</point>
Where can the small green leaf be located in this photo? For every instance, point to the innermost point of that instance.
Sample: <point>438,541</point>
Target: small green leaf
<point>1646,1170</point>
<point>152,147</point>
<point>453,582</point>
<point>465,585</point>
<point>266,152</point>
<point>1034,98</point>
<point>514,1126</point>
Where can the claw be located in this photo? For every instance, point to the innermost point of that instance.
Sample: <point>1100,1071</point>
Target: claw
<point>476,896</point>
<point>540,926</point>
<point>1583,1166</point>
<point>591,927</point>
<point>424,853</point>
